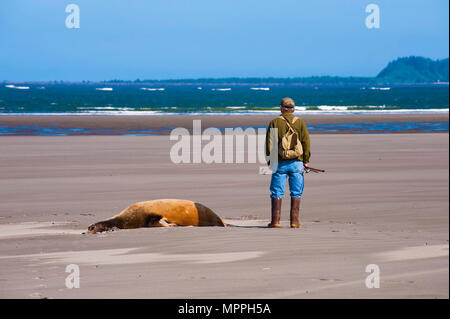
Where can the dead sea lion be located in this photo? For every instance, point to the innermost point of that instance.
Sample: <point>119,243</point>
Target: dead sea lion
<point>160,213</point>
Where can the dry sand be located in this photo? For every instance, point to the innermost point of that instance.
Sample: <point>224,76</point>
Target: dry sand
<point>383,200</point>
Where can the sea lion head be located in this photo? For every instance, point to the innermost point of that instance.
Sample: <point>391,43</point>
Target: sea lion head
<point>98,227</point>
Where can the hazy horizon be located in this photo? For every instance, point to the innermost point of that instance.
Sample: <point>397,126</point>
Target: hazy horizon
<point>203,39</point>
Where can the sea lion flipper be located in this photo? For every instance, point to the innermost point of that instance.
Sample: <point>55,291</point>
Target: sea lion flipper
<point>164,223</point>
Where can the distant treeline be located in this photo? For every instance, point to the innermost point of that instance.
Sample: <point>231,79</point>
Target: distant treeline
<point>261,81</point>
<point>402,71</point>
<point>412,70</point>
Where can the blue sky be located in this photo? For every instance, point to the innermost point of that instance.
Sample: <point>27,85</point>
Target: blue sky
<point>161,39</point>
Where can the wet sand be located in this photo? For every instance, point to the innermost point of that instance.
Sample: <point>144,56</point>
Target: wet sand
<point>162,124</point>
<point>383,200</point>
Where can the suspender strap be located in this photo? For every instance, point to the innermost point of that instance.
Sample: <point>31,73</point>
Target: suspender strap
<point>287,122</point>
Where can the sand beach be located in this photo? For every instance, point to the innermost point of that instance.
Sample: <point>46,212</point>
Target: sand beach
<point>383,200</point>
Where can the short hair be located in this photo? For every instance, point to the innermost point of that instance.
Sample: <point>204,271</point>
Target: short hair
<point>287,102</point>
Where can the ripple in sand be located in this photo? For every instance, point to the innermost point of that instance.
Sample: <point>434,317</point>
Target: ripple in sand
<point>129,256</point>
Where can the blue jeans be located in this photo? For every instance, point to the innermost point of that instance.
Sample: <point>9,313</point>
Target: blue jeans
<point>294,169</point>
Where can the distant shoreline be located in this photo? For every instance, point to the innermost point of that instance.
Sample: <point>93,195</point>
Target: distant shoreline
<point>279,83</point>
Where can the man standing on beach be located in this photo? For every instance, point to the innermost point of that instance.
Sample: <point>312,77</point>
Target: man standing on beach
<point>287,166</point>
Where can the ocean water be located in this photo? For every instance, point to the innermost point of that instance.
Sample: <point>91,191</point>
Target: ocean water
<point>109,99</point>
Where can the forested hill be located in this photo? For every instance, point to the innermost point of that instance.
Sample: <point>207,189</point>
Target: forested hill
<point>414,70</point>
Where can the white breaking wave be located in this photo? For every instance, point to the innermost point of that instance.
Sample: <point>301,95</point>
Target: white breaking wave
<point>332,108</point>
<point>104,89</point>
<point>381,89</point>
<point>116,112</point>
<point>236,112</point>
<point>105,108</point>
<point>87,113</point>
<point>153,89</point>
<point>260,89</point>
<point>225,89</point>
<point>17,87</point>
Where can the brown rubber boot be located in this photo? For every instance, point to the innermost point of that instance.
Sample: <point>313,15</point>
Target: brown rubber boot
<point>276,213</point>
<point>295,210</point>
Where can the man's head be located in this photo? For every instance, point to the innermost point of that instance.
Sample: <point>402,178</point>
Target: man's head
<point>287,105</point>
